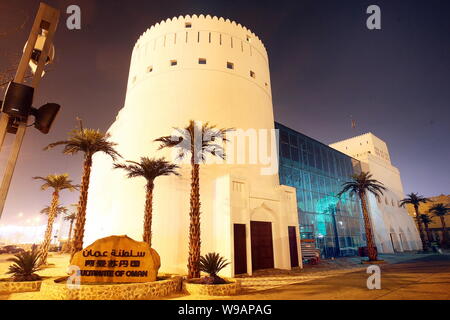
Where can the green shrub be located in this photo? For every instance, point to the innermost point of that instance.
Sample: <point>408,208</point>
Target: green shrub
<point>24,266</point>
<point>211,264</point>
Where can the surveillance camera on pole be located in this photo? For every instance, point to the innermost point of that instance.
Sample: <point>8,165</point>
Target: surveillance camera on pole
<point>17,105</point>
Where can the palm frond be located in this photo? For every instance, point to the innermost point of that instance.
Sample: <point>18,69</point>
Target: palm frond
<point>361,184</point>
<point>426,219</point>
<point>71,216</point>
<point>25,264</point>
<point>59,210</point>
<point>148,168</point>
<point>196,141</point>
<point>212,263</point>
<point>58,182</point>
<point>89,141</point>
<point>439,210</point>
<point>413,199</point>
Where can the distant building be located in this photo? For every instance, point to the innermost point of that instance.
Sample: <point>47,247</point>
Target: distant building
<point>394,229</point>
<point>435,227</point>
<point>317,172</point>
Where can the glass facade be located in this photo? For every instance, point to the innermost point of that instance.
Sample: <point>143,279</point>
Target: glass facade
<point>317,172</point>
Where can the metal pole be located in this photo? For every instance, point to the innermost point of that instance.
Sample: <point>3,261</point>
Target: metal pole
<point>4,118</point>
<point>46,19</point>
<point>11,164</point>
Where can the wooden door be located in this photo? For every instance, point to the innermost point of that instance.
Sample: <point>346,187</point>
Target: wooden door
<point>262,245</point>
<point>240,249</point>
<point>293,248</point>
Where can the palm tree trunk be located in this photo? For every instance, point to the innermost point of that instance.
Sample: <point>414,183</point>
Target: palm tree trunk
<point>419,224</point>
<point>427,231</point>
<point>444,232</point>
<point>148,215</point>
<point>69,240</point>
<point>194,226</point>
<point>48,232</point>
<point>372,253</point>
<point>77,244</point>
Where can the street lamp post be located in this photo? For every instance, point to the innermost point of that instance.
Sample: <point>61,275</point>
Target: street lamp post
<point>16,106</point>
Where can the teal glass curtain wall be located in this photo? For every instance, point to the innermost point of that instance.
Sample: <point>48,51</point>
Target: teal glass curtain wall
<point>317,172</point>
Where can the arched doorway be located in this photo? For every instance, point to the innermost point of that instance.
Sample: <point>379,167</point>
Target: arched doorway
<point>261,236</point>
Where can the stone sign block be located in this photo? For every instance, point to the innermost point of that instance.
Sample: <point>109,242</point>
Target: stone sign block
<point>117,259</point>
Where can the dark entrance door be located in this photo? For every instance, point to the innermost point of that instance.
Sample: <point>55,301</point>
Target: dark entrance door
<point>293,249</point>
<point>262,245</point>
<point>240,249</point>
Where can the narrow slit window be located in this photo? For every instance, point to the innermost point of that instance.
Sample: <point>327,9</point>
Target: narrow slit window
<point>173,62</point>
<point>150,69</point>
<point>252,74</point>
<point>188,25</point>
<point>201,61</point>
<point>230,65</point>
<point>249,39</point>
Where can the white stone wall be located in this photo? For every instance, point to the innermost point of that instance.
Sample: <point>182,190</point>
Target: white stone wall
<point>161,96</point>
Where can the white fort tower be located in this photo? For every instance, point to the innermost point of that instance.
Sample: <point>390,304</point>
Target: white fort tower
<point>212,70</point>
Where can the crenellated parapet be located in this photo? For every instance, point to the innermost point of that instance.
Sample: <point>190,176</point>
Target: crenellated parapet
<point>203,42</point>
<point>202,23</point>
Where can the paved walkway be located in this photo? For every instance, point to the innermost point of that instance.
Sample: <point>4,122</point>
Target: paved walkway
<point>269,279</point>
<point>405,276</point>
<point>426,277</point>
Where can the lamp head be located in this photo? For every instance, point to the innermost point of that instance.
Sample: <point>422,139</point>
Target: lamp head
<point>18,101</point>
<point>37,50</point>
<point>45,116</point>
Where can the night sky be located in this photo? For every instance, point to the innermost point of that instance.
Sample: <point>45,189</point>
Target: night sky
<point>326,67</point>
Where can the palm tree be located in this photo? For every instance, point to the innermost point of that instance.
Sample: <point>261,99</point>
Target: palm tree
<point>361,184</point>
<point>58,182</point>
<point>149,169</point>
<point>71,217</point>
<point>415,200</point>
<point>197,142</point>
<point>441,210</point>
<point>88,141</point>
<point>59,210</point>
<point>426,220</point>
